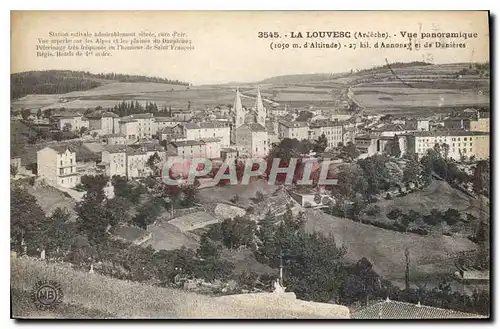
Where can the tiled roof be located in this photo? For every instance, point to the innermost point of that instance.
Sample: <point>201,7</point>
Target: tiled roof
<point>205,125</point>
<point>256,127</point>
<point>127,119</point>
<point>116,148</point>
<point>149,147</point>
<point>166,119</point>
<point>448,133</point>
<point>401,310</point>
<point>293,124</point>
<point>141,115</point>
<point>324,123</point>
<point>82,152</point>
<point>187,143</point>
<point>110,114</point>
<point>62,148</point>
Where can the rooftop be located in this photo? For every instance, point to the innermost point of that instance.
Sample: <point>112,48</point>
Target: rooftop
<point>293,124</point>
<point>255,127</point>
<point>141,115</point>
<point>166,119</point>
<point>116,148</point>
<point>400,310</point>
<point>187,143</point>
<point>325,123</point>
<point>205,125</point>
<point>448,133</point>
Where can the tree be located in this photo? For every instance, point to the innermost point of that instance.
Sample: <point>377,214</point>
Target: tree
<point>395,214</point>
<point>259,197</point>
<point>67,127</point>
<point>451,216</point>
<point>320,144</point>
<point>481,178</point>
<point>55,236</point>
<point>434,218</point>
<point>189,192</point>
<point>238,232</point>
<point>25,113</point>
<point>95,184</point>
<point>153,163</point>
<point>149,212</point>
<point>92,220</point>
<point>117,211</point>
<point>83,130</point>
<point>13,170</point>
<point>57,136</point>
<point>411,171</point>
<point>25,217</point>
<point>39,113</point>
<point>348,151</point>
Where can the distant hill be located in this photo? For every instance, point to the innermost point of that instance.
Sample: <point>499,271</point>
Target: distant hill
<point>305,78</point>
<point>301,78</point>
<point>64,81</point>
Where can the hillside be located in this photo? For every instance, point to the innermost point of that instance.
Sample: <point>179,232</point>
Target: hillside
<point>64,81</point>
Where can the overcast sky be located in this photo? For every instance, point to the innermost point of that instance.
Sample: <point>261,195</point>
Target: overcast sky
<point>227,47</point>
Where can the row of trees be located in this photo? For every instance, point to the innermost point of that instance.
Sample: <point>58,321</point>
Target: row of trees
<point>64,81</point>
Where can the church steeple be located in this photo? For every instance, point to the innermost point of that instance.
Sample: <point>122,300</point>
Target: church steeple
<point>260,109</point>
<point>239,117</point>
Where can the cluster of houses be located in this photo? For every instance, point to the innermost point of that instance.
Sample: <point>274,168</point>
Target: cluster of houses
<point>123,145</point>
<point>465,136</point>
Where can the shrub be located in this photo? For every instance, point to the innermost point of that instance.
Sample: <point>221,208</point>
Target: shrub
<point>419,230</point>
<point>394,214</point>
<point>388,196</point>
<point>235,199</point>
<point>373,210</point>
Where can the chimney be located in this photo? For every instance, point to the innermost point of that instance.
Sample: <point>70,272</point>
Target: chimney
<point>419,305</point>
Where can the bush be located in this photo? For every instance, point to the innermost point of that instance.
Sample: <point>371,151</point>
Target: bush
<point>388,196</point>
<point>235,199</point>
<point>373,210</point>
<point>419,230</point>
<point>31,181</point>
<point>394,214</point>
<point>259,196</point>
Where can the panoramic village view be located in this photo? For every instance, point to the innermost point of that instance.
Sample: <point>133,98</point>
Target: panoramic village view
<point>403,232</point>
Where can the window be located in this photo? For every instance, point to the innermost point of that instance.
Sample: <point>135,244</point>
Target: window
<point>71,161</point>
<point>470,150</point>
<point>61,171</point>
<point>458,138</point>
<point>470,144</point>
<point>61,163</point>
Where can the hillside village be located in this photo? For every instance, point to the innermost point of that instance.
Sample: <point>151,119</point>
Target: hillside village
<point>92,180</point>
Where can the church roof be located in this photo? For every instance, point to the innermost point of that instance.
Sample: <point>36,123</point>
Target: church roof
<point>258,101</point>
<point>237,102</point>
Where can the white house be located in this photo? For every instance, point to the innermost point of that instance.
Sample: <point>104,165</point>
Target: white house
<point>203,130</point>
<point>56,164</point>
<point>294,129</point>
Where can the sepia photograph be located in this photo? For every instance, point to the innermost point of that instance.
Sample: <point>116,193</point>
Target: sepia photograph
<point>250,165</point>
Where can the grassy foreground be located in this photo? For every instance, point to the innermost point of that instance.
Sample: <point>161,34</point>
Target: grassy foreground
<point>95,296</point>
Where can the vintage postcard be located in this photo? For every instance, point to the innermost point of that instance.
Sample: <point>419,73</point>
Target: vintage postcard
<point>250,164</point>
